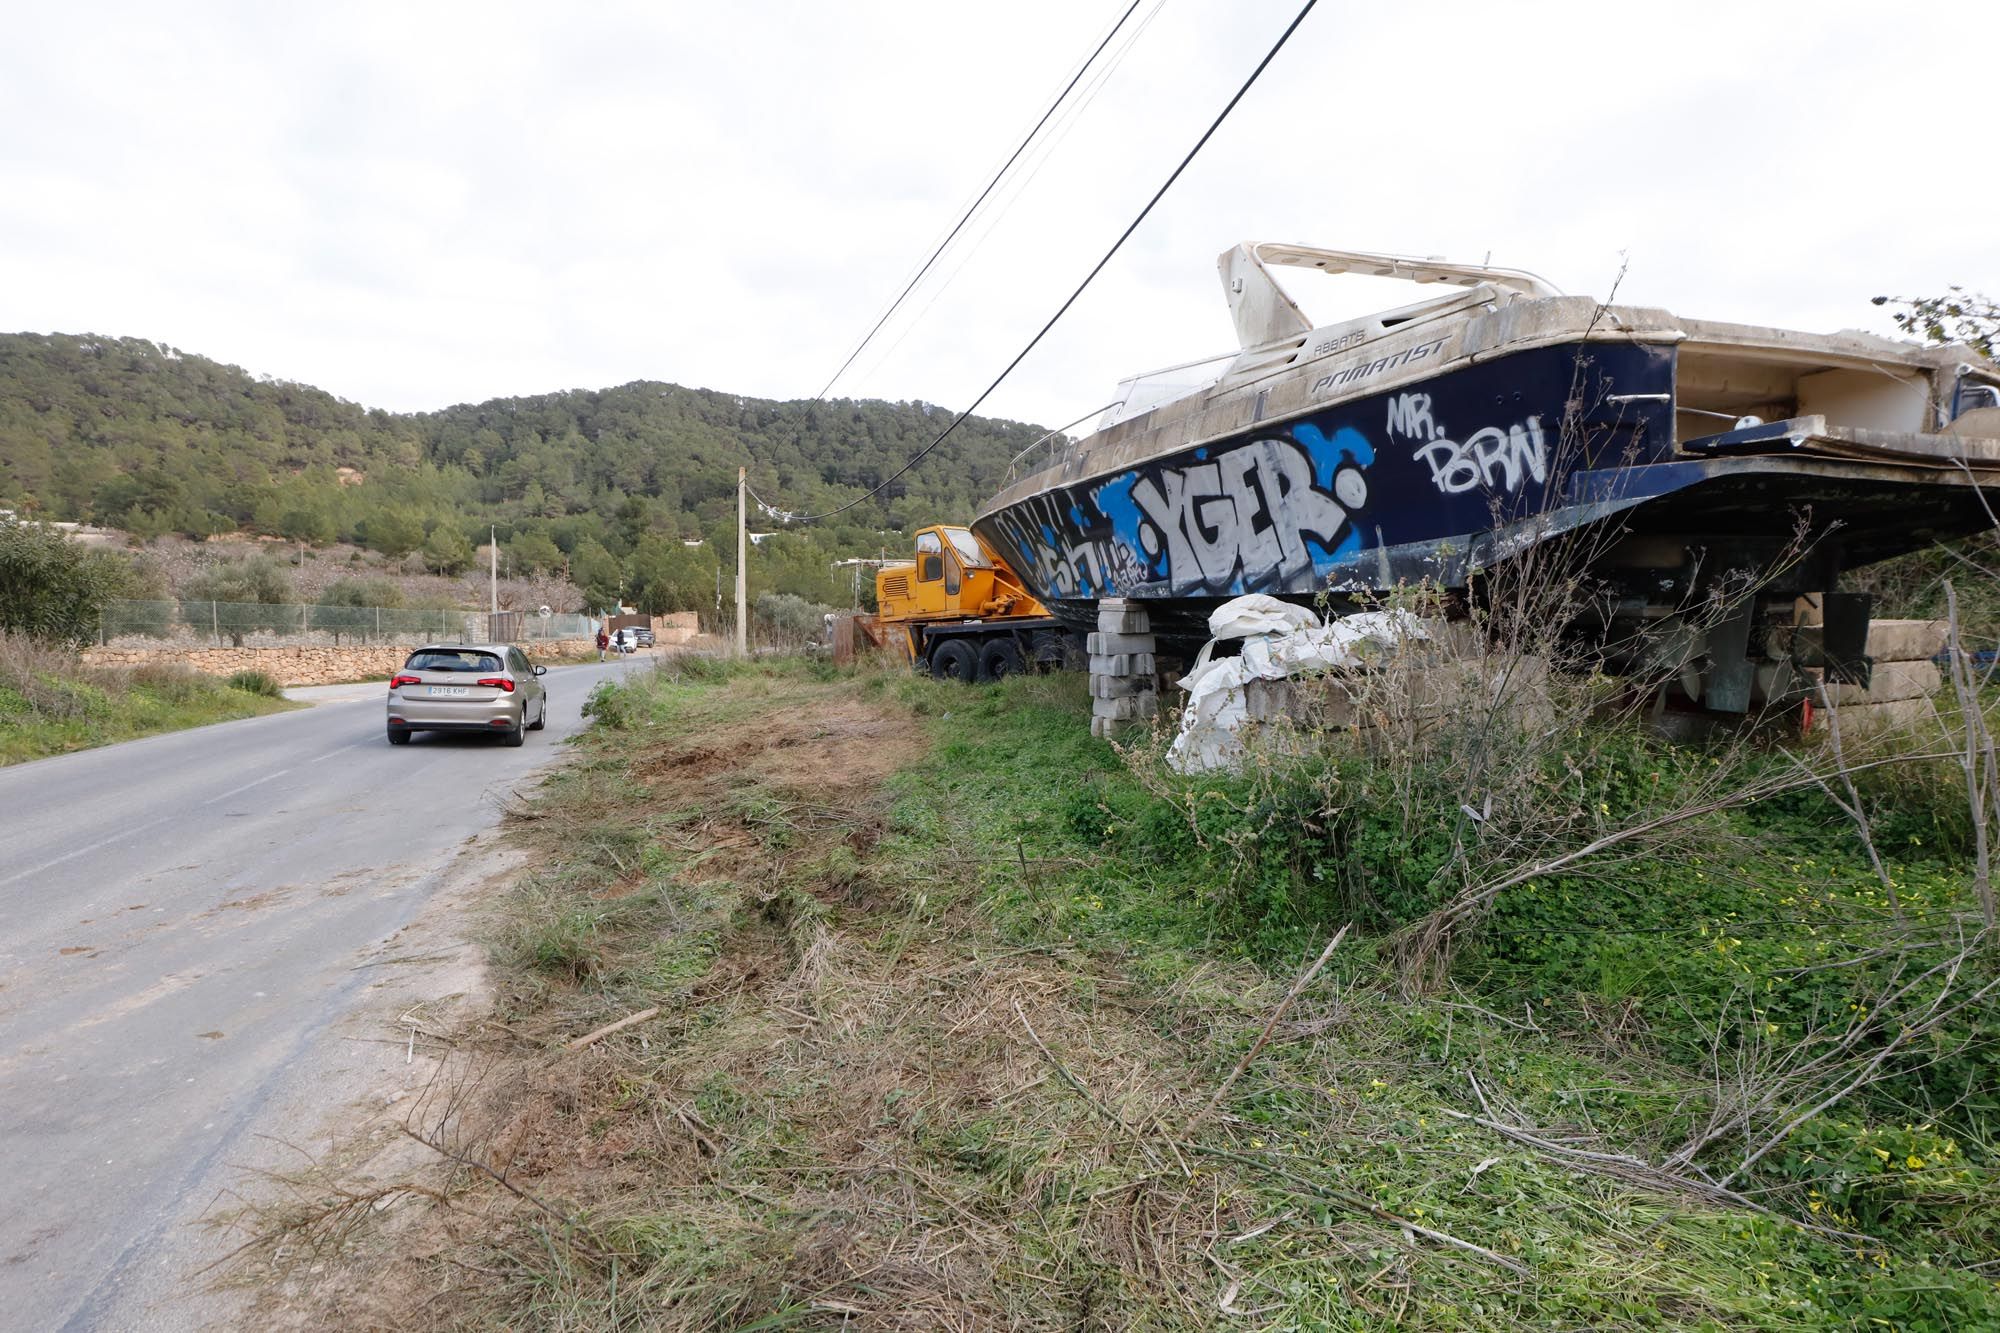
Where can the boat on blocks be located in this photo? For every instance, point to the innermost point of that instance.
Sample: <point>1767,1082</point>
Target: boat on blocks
<point>1433,444</point>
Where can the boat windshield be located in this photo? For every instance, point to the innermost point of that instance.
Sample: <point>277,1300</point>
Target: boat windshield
<point>967,547</point>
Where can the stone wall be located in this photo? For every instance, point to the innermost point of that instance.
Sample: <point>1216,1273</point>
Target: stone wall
<point>670,630</point>
<point>676,627</point>
<point>299,666</point>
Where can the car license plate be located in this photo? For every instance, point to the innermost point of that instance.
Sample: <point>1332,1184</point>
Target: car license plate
<point>448,691</point>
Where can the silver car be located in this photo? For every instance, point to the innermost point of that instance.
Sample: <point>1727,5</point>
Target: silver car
<point>490,687</point>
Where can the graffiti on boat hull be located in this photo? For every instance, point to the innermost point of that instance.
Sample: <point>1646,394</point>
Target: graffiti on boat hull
<point>1492,459</point>
<point>1298,506</point>
<point>1249,517</point>
<point>1051,538</point>
<point>1260,515</point>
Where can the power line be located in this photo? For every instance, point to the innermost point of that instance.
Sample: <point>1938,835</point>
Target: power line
<point>1116,245</point>
<point>974,208</point>
<point>1025,177</point>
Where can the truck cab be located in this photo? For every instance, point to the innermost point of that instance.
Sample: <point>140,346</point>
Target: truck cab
<point>954,574</point>
<point>959,612</point>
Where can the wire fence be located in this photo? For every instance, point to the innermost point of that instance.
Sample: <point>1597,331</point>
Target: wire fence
<point>276,624</point>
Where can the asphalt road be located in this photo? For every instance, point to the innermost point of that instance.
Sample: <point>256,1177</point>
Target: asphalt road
<point>180,921</point>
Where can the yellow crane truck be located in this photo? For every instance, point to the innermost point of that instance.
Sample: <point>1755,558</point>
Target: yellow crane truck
<point>959,613</point>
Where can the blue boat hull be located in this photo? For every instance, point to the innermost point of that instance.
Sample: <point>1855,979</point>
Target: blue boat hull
<point>1436,483</point>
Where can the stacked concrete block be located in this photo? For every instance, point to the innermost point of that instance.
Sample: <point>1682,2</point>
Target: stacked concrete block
<point>1906,640</point>
<point>1271,700</point>
<point>1902,685</point>
<point>1123,686</point>
<point>1423,688</point>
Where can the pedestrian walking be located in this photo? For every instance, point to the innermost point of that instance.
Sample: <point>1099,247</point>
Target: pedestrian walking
<point>603,642</point>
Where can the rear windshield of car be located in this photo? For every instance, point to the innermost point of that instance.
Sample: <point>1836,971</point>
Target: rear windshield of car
<point>446,659</point>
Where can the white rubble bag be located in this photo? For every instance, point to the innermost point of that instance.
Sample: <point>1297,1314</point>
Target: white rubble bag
<point>1279,640</point>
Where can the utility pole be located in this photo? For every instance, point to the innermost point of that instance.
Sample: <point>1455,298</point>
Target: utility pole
<point>742,569</point>
<point>493,574</point>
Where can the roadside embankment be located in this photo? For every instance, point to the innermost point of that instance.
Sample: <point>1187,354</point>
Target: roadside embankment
<point>847,998</point>
<point>50,703</point>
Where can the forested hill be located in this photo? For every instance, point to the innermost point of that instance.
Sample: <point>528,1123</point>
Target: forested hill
<point>132,434</point>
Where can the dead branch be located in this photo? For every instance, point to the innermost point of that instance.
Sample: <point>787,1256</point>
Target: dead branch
<point>1062,1069</point>
<point>569,1224</point>
<point>328,1220</point>
<point>1299,983</point>
<point>590,1038</point>
<point>1853,806</point>
<point>1335,1195</point>
<point>1633,1170</point>
<point>1976,759</point>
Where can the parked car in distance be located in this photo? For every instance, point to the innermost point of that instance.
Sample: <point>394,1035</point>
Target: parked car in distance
<point>490,687</point>
<point>627,639</point>
<point>643,634</point>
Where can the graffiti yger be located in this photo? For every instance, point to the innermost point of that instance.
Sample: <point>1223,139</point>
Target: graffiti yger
<point>1246,518</point>
<point>1263,515</point>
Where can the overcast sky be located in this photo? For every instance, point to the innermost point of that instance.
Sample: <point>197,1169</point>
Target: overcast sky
<point>419,204</point>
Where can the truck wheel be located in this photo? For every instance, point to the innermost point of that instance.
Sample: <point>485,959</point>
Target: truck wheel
<point>954,660</point>
<point>999,659</point>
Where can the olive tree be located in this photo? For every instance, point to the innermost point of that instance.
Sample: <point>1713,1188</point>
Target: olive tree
<point>238,597</point>
<point>1958,316</point>
<point>51,588</point>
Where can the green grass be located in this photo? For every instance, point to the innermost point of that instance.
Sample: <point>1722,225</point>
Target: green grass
<point>104,710</point>
<point>941,1050</point>
<point>1669,947</point>
<point>1672,950</point>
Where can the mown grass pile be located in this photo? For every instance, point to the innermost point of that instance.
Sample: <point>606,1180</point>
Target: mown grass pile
<point>50,703</point>
<point>953,1004</point>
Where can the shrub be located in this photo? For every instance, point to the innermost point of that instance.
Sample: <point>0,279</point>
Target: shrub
<point>172,682</point>
<point>703,668</point>
<point>40,675</point>
<point>257,682</point>
<point>786,619</point>
<point>254,579</point>
<point>1889,1179</point>
<point>612,706</point>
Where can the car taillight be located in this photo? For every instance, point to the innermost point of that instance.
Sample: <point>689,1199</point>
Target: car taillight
<point>398,682</point>
<point>498,683</point>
